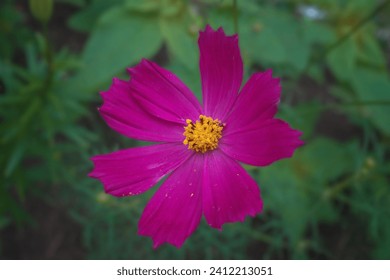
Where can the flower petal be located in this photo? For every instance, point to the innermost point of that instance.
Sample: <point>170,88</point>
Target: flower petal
<point>229,193</point>
<point>175,210</point>
<point>258,100</point>
<point>161,92</point>
<point>133,171</point>
<point>261,143</point>
<point>221,70</point>
<point>125,115</point>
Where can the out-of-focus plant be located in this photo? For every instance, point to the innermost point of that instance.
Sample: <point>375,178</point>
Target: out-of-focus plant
<point>329,201</point>
<point>40,136</point>
<point>139,29</point>
<point>357,59</point>
<point>11,19</point>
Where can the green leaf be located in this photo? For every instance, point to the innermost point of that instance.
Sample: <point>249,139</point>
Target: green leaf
<point>342,60</point>
<point>315,32</point>
<point>258,40</point>
<point>21,123</point>
<point>302,117</point>
<point>370,51</point>
<point>261,44</point>
<point>221,17</point>
<point>14,159</point>
<point>119,40</point>
<point>324,160</point>
<point>86,18</point>
<point>143,6</point>
<point>79,135</point>
<point>291,35</point>
<point>295,187</point>
<point>374,86</point>
<point>181,43</point>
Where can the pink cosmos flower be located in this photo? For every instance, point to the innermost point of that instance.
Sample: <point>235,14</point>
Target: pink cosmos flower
<point>199,146</point>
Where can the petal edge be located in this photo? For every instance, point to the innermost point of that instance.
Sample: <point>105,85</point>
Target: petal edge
<point>229,193</point>
<point>221,71</point>
<point>135,170</point>
<point>175,210</point>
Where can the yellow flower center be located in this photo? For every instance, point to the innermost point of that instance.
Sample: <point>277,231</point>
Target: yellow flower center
<point>203,135</point>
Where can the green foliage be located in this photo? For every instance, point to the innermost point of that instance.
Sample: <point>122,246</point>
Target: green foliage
<point>11,19</point>
<point>135,36</point>
<point>374,86</point>
<point>330,200</point>
<point>138,29</point>
<point>38,125</point>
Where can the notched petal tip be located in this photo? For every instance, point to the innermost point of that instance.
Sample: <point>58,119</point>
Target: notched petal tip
<point>157,244</point>
<point>299,142</point>
<point>93,172</point>
<point>263,143</point>
<point>143,63</point>
<point>126,115</point>
<point>221,71</point>
<point>208,30</point>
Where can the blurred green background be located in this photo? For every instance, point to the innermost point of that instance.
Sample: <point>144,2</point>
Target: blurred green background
<point>330,201</point>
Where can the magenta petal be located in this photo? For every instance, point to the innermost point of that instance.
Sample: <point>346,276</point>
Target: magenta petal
<point>161,92</point>
<point>229,193</point>
<point>175,210</point>
<point>257,100</point>
<point>133,171</point>
<point>261,143</point>
<point>221,71</point>
<point>125,115</point>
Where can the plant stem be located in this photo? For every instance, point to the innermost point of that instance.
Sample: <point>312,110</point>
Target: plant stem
<point>370,16</point>
<point>49,59</point>
<point>337,43</point>
<point>365,171</point>
<point>365,103</point>
<point>319,107</point>
<point>235,16</point>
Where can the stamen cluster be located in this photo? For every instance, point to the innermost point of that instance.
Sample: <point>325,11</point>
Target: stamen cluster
<point>203,135</point>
